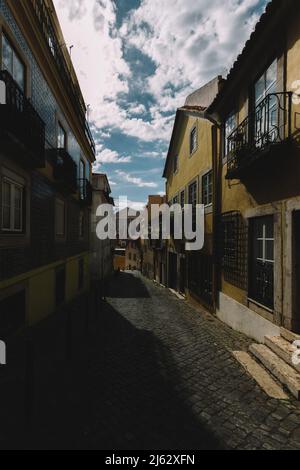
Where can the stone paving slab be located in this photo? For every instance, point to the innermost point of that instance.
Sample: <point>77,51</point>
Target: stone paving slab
<point>153,373</point>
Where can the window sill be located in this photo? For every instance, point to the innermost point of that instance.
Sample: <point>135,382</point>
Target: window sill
<point>260,309</point>
<point>208,209</point>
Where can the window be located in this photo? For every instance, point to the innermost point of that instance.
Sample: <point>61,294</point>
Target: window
<point>262,260</point>
<point>193,194</point>
<point>182,198</point>
<point>51,45</point>
<point>175,169</point>
<point>193,140</point>
<point>12,63</point>
<point>266,84</point>
<point>134,257</point>
<point>12,206</point>
<point>129,256</point>
<point>82,169</point>
<point>61,137</point>
<point>207,186</point>
<point>230,126</point>
<point>193,202</point>
<point>267,110</point>
<point>81,224</point>
<point>175,200</point>
<point>60,218</point>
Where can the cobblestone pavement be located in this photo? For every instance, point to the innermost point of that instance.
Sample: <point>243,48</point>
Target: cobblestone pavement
<point>156,373</point>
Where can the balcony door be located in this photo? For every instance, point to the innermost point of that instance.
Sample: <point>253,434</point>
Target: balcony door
<point>266,107</point>
<point>261,268</point>
<point>82,179</point>
<point>82,170</point>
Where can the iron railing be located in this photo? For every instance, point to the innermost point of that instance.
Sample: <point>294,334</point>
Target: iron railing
<point>85,191</point>
<point>46,27</point>
<point>21,122</point>
<point>64,168</point>
<point>269,124</point>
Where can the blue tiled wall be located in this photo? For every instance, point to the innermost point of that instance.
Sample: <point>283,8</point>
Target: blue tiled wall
<point>41,95</point>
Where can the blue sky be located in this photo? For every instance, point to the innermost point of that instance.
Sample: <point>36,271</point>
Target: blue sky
<point>136,61</point>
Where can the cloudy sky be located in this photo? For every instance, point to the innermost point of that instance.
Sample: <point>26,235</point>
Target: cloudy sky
<point>136,61</point>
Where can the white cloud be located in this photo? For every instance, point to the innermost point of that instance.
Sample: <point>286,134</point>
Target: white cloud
<point>89,25</point>
<point>153,154</point>
<point>109,156</point>
<point>139,182</point>
<point>189,42</point>
<point>136,108</point>
<point>136,205</point>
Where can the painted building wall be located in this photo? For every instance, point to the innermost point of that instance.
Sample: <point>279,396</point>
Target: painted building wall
<point>273,189</point>
<point>28,262</point>
<point>40,92</point>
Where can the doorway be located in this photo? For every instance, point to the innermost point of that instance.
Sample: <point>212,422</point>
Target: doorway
<point>296,271</point>
<point>182,282</point>
<point>173,271</point>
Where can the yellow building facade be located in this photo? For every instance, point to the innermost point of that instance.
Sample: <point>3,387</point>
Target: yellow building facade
<point>189,173</point>
<point>258,174</point>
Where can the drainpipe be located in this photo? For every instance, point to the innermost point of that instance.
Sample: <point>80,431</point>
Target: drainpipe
<point>217,195</point>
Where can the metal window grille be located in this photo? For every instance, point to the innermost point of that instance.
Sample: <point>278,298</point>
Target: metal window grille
<point>233,248</point>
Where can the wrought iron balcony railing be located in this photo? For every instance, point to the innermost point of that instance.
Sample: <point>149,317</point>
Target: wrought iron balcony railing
<point>64,169</point>
<point>22,129</point>
<point>85,191</point>
<point>46,27</point>
<point>267,126</point>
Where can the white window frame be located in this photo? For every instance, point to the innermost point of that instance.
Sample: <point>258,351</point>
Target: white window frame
<point>264,239</point>
<point>13,184</point>
<point>175,164</point>
<point>194,148</point>
<point>231,123</point>
<point>205,179</point>
<point>60,127</point>
<point>15,55</point>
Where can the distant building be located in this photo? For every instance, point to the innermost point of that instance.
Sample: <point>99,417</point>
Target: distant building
<point>154,251</point>
<point>133,255</point>
<point>102,250</point>
<point>119,261</point>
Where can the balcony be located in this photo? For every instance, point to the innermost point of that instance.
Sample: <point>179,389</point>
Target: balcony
<point>85,192</point>
<point>64,169</point>
<point>43,17</point>
<point>264,133</point>
<point>21,128</point>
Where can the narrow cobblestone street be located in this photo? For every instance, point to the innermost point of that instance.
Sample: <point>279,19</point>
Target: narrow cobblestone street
<point>157,374</point>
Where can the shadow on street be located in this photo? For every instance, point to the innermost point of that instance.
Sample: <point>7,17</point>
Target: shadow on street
<point>119,391</point>
<point>126,285</point>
